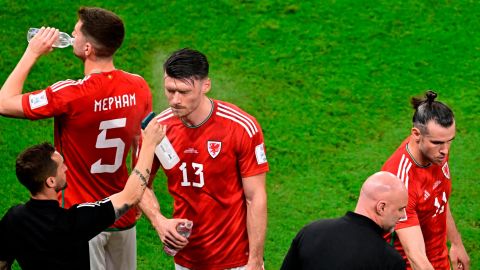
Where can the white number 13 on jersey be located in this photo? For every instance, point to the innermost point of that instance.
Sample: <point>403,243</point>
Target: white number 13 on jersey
<point>103,142</point>
<point>198,171</point>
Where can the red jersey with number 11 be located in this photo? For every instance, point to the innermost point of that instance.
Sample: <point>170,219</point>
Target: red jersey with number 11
<point>428,192</point>
<point>96,121</point>
<point>206,183</point>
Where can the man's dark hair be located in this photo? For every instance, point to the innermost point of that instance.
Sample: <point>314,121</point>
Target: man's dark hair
<point>187,64</point>
<point>428,109</point>
<point>103,28</point>
<point>34,165</point>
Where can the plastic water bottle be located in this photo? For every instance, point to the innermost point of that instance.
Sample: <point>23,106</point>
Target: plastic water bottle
<point>64,39</point>
<point>184,229</point>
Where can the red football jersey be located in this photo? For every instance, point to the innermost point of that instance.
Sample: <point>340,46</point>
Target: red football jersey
<point>206,183</point>
<point>96,121</point>
<point>428,188</point>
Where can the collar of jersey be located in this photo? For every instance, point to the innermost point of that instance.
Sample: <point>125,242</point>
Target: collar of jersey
<point>203,122</point>
<point>414,160</point>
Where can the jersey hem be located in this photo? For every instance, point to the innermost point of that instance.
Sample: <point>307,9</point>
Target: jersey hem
<point>120,228</point>
<point>209,266</point>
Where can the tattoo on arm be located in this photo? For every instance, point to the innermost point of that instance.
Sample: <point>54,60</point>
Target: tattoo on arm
<point>122,210</point>
<point>142,177</point>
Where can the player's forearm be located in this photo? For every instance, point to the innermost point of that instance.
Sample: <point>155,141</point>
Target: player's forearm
<point>10,94</point>
<point>151,208</point>
<point>419,263</point>
<point>256,226</point>
<point>14,84</point>
<point>452,233</point>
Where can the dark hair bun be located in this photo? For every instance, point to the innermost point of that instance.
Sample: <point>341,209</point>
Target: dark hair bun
<point>430,96</point>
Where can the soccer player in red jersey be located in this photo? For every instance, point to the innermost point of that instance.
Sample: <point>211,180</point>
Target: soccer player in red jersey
<point>97,121</point>
<point>216,173</point>
<point>421,162</point>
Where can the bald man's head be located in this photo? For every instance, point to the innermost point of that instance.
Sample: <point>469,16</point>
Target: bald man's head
<point>383,199</point>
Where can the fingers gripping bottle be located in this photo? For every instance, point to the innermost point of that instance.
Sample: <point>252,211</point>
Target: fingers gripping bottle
<point>64,40</point>
<point>184,229</point>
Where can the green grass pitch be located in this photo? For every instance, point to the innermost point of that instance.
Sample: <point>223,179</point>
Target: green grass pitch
<point>329,81</point>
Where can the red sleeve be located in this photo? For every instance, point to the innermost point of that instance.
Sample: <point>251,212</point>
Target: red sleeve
<point>411,210</point>
<point>392,165</point>
<point>50,102</point>
<point>252,155</point>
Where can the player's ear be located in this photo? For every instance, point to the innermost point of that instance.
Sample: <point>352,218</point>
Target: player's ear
<point>50,182</point>
<point>206,85</point>
<point>88,48</point>
<point>380,208</point>
<point>416,134</point>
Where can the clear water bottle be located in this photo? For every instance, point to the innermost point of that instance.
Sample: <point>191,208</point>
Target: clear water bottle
<point>184,229</point>
<point>64,39</point>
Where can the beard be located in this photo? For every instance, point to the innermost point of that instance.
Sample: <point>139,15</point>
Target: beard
<point>61,187</point>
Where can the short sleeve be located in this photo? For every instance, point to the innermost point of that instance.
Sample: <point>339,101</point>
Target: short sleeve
<point>252,154</point>
<point>89,219</point>
<point>411,209</point>
<point>52,101</point>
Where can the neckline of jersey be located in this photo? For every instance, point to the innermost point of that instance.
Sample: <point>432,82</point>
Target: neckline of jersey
<point>414,160</point>
<point>204,121</point>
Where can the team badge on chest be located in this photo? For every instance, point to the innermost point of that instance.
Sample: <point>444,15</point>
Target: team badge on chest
<point>214,148</point>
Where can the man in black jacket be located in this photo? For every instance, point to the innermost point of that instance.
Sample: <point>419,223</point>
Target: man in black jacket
<point>42,235</point>
<point>355,240</point>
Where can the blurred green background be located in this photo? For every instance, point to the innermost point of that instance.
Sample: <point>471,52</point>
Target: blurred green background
<point>329,81</point>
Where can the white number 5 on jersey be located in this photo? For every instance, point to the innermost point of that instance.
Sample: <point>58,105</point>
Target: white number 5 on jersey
<point>103,142</point>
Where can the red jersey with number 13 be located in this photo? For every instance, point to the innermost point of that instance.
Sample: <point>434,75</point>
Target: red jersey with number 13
<point>429,189</point>
<point>96,121</point>
<point>206,183</point>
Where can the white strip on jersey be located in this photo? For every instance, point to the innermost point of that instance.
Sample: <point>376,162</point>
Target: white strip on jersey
<point>238,121</point>
<point>403,169</point>
<point>231,111</point>
<point>164,115</point>
<point>94,204</point>
<point>62,84</point>
<point>244,121</point>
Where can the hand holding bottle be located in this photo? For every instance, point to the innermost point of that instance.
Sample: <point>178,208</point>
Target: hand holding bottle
<point>42,42</point>
<point>172,234</point>
<point>64,40</point>
<point>184,229</point>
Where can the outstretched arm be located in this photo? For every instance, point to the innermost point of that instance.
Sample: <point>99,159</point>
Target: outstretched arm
<point>11,92</point>
<point>138,179</point>
<point>458,255</point>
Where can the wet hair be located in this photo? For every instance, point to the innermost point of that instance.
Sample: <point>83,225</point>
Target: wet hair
<point>428,109</point>
<point>187,65</point>
<point>103,28</point>
<point>34,165</point>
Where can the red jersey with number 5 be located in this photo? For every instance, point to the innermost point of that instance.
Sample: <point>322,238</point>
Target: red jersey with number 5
<point>206,183</point>
<point>97,119</point>
<point>428,188</point>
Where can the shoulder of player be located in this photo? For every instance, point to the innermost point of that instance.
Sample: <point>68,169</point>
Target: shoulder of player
<point>70,84</point>
<point>166,117</point>
<point>240,118</point>
<point>133,76</point>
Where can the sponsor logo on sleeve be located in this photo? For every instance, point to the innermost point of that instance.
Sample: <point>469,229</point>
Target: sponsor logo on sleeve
<point>446,170</point>
<point>260,154</point>
<point>38,100</point>
<point>214,148</point>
